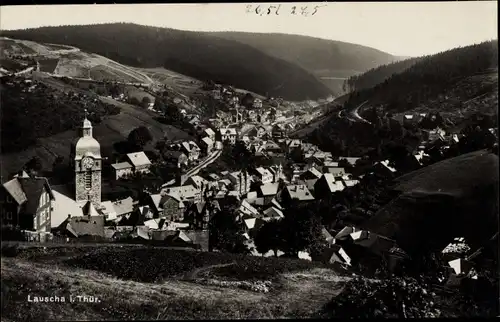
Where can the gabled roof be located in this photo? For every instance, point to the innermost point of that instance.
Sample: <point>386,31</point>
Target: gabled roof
<point>89,209</point>
<point>184,192</point>
<point>123,206</point>
<point>156,198</point>
<point>332,184</point>
<point>85,225</point>
<point>198,181</point>
<point>108,210</point>
<point>330,164</point>
<point>209,132</point>
<point>138,159</point>
<point>121,166</point>
<point>345,232</point>
<point>247,208</point>
<point>16,191</point>
<point>273,212</point>
<point>460,266</point>
<point>385,163</point>
<point>228,131</point>
<point>269,189</point>
<point>299,192</point>
<point>33,188</point>
<point>63,206</point>
<point>207,141</point>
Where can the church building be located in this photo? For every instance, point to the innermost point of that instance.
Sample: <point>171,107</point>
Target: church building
<point>87,162</point>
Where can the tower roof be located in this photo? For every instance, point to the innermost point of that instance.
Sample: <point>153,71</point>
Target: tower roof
<point>86,122</point>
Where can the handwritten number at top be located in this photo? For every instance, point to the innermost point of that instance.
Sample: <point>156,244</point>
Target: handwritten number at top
<point>304,11</point>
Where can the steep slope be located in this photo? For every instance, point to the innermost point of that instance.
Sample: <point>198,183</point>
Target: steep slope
<point>457,83</point>
<point>195,54</point>
<point>378,75</point>
<point>329,60</point>
<point>430,77</point>
<point>454,197</point>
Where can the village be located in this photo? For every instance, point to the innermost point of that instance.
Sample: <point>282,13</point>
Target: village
<point>179,213</point>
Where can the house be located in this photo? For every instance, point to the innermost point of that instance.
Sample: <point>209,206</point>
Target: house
<point>62,207</point>
<point>257,132</point>
<point>247,210</point>
<point>335,254</point>
<point>139,161</point>
<point>272,213</point>
<point>228,134</point>
<point>326,185</point>
<point>191,149</point>
<point>186,192</point>
<point>257,103</point>
<point>206,145</point>
<point>264,175</point>
<point>296,192</point>
<point>178,158</point>
<point>268,191</point>
<point>336,172</point>
<point>311,174</point>
<point>295,170</point>
<point>91,224</point>
<point>209,133</point>
<point>345,233</point>
<point>117,208</point>
<point>272,148</point>
<point>278,131</point>
<point>27,203</point>
<point>291,144</point>
<point>277,171</point>
<point>241,181</point>
<point>172,207</point>
<point>252,225</point>
<point>197,182</point>
<point>122,169</point>
<point>384,168</point>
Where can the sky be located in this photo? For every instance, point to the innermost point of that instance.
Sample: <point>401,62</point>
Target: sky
<point>401,29</point>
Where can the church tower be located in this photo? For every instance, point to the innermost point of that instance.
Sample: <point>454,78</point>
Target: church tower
<point>87,162</point>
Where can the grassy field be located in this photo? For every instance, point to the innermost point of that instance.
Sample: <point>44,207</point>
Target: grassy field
<point>297,290</point>
<point>111,130</point>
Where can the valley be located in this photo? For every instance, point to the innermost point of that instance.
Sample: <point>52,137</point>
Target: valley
<point>168,174</point>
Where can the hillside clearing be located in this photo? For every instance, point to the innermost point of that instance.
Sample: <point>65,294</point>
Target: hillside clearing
<point>300,294</point>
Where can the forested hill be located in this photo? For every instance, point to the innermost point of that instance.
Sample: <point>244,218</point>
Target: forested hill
<point>429,77</point>
<point>322,57</point>
<point>199,55</point>
<point>377,75</point>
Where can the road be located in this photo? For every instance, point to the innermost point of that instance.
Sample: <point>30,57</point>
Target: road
<point>213,156</point>
<point>354,116</point>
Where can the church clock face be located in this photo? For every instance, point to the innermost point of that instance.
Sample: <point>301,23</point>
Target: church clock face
<point>87,162</point>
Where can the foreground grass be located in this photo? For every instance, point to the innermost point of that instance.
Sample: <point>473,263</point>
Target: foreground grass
<point>292,294</point>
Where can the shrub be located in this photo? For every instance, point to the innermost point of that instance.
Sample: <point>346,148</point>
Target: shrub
<point>10,250</point>
<point>390,298</point>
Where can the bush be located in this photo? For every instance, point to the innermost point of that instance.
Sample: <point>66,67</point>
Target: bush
<point>10,250</point>
<point>390,298</point>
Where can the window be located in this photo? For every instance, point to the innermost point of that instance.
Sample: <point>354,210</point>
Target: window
<point>88,180</point>
<point>9,199</point>
<point>9,215</point>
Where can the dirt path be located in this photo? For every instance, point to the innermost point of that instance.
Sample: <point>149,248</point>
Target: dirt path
<point>194,273</point>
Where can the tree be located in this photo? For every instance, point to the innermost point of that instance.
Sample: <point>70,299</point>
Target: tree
<point>301,230</point>
<point>225,233</point>
<point>139,137</point>
<point>247,100</point>
<point>33,165</point>
<point>134,101</point>
<point>269,237</point>
<point>145,102</point>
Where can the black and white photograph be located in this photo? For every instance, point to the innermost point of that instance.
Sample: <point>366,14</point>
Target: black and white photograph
<point>223,161</point>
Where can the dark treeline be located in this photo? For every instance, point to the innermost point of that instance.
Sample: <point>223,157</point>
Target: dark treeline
<point>41,112</point>
<point>429,77</point>
<point>377,75</point>
<point>198,55</point>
